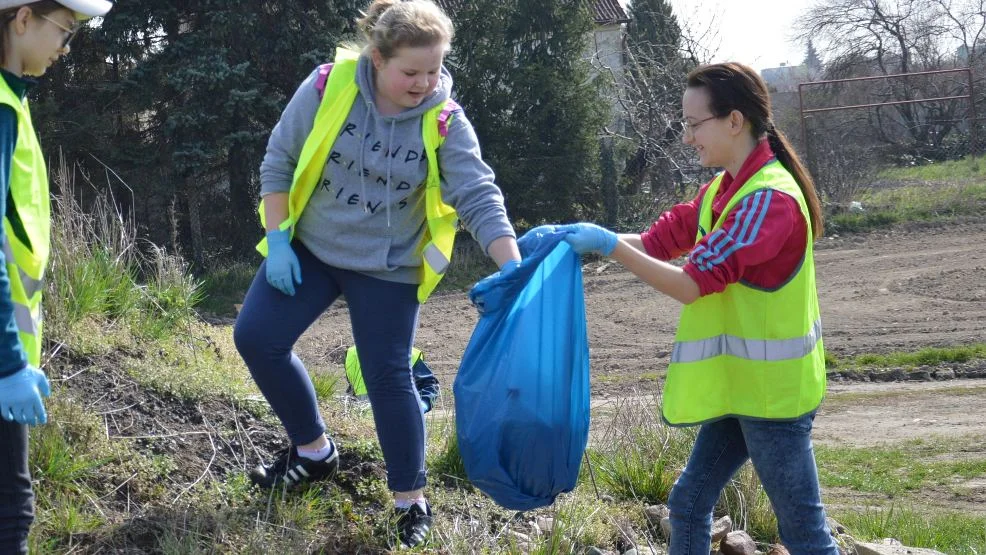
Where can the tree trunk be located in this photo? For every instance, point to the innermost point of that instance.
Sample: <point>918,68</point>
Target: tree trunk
<point>242,199</point>
<point>194,222</point>
<point>611,189</point>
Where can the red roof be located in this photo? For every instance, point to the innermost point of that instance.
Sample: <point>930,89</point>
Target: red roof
<point>607,12</point>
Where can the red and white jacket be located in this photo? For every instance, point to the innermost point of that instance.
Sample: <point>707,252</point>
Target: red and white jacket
<point>764,256</point>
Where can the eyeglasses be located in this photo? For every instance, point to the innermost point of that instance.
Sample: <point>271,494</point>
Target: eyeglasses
<point>69,32</point>
<point>689,127</point>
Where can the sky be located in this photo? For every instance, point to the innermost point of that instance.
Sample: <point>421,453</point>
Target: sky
<point>754,32</point>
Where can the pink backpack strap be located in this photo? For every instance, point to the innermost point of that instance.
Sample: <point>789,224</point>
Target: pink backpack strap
<point>323,77</point>
<point>446,115</point>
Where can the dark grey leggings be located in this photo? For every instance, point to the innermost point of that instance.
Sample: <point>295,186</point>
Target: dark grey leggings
<point>16,497</point>
<point>384,317</point>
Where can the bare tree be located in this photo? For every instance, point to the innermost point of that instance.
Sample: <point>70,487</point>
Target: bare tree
<point>887,37</point>
<point>655,164</point>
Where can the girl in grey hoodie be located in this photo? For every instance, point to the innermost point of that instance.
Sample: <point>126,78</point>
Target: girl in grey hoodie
<point>360,235</point>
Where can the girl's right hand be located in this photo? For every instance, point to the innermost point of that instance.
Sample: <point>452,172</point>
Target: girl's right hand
<point>283,268</point>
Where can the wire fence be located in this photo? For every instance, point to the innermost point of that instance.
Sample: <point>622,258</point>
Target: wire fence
<point>849,128</point>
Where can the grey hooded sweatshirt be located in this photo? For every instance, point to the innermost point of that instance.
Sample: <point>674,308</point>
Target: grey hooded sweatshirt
<point>368,213</point>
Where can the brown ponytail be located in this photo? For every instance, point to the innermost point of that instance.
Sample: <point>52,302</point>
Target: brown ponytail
<point>789,158</point>
<point>733,86</point>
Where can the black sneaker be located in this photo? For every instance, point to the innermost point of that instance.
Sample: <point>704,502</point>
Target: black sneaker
<point>292,469</point>
<point>413,525</point>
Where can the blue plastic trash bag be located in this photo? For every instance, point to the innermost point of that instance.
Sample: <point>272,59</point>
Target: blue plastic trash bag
<point>522,390</point>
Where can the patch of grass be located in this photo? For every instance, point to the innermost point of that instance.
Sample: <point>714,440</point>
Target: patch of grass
<point>885,207</point>
<point>98,273</point>
<point>893,471</point>
<point>848,398</point>
<point>969,168</point>
<point>66,457</point>
<point>447,462</point>
<point>948,532</point>
<point>929,356</point>
<point>200,362</point>
<point>746,502</point>
<point>326,385</point>
<point>364,448</point>
<point>306,511</point>
<point>54,448</point>
<point>632,473</point>
<point>582,518</point>
<point>642,458</point>
<point>226,286</point>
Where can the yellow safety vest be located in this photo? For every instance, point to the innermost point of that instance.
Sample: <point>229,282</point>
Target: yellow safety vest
<point>354,373</point>
<point>340,93</point>
<point>26,261</point>
<point>746,351</point>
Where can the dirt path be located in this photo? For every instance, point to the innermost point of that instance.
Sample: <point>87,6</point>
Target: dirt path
<point>880,292</point>
<point>868,414</point>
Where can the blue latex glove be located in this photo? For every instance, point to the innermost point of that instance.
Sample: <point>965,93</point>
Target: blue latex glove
<point>488,285</point>
<point>586,237</point>
<point>283,269</point>
<point>20,396</point>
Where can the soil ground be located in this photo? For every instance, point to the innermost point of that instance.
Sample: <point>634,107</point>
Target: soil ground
<point>894,290</point>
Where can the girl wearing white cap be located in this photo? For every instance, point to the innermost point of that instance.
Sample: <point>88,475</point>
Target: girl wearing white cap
<point>33,35</point>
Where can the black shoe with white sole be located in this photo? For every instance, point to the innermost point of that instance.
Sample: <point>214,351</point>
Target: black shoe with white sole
<point>413,525</point>
<point>292,469</point>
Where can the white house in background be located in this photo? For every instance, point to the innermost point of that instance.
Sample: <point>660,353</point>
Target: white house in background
<point>607,48</point>
<point>609,37</point>
<point>607,43</point>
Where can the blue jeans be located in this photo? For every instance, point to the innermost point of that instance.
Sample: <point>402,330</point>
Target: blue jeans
<point>783,457</point>
<point>384,316</point>
<point>16,496</point>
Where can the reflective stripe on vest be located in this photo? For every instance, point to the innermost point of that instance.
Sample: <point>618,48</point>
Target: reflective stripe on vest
<point>747,351</point>
<point>31,285</point>
<point>337,100</point>
<point>26,322</point>
<point>435,258</point>
<point>28,197</point>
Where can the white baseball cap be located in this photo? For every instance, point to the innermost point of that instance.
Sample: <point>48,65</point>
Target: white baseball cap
<point>84,9</point>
